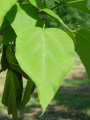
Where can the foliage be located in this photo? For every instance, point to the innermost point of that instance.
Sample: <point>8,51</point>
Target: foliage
<point>73,18</point>
<point>0,43</point>
<point>42,55</point>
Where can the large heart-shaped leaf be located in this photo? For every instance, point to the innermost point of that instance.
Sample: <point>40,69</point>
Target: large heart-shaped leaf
<point>46,55</point>
<point>83,47</point>
<point>5,6</point>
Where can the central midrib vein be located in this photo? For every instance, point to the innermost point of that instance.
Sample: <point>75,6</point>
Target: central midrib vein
<point>43,61</point>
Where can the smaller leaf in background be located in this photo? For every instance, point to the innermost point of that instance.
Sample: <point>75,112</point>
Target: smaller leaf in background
<point>24,18</point>
<point>12,61</point>
<point>12,103</point>
<point>78,4</point>
<point>83,47</point>
<point>8,35</point>
<point>5,6</point>
<point>27,94</point>
<point>43,8</point>
<point>4,63</point>
<point>11,14</point>
<point>5,23</point>
<point>20,88</point>
<point>6,90</point>
<point>12,93</point>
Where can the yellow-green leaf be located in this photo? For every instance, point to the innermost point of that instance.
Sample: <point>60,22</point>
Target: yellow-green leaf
<point>5,6</point>
<point>46,55</point>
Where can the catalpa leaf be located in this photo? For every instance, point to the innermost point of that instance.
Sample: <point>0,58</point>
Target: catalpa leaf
<point>30,86</point>
<point>38,4</point>
<point>5,6</point>
<point>8,35</point>
<point>83,47</point>
<point>42,7</point>
<point>24,18</point>
<point>46,55</point>
<point>78,4</point>
<point>11,90</point>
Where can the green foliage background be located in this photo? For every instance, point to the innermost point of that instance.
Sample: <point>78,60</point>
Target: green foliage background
<point>74,18</point>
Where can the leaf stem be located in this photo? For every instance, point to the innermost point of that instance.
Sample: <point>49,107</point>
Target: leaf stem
<point>57,5</point>
<point>43,13</point>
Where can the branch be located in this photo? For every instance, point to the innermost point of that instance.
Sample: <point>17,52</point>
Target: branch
<point>59,4</point>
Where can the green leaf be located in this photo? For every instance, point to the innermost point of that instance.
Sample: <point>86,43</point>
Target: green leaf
<point>8,35</point>
<point>25,18</point>
<point>46,56</point>
<point>5,6</point>
<point>12,104</point>
<point>79,4</point>
<point>83,47</point>
<point>12,93</point>
<point>10,16</point>
<point>27,94</point>
<point>4,63</point>
<point>12,62</point>
<point>6,89</point>
<point>43,8</point>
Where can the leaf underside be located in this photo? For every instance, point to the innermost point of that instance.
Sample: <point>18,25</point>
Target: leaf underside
<point>77,4</point>
<point>46,56</point>
<point>83,47</point>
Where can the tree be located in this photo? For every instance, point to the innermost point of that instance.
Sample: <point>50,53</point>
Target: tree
<point>41,54</point>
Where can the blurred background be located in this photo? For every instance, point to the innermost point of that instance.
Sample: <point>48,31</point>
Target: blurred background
<point>72,101</point>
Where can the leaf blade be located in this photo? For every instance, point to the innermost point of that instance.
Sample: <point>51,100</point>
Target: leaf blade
<point>47,55</point>
<point>77,4</point>
<point>83,46</point>
<point>5,6</point>
<point>25,17</point>
<point>43,7</point>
